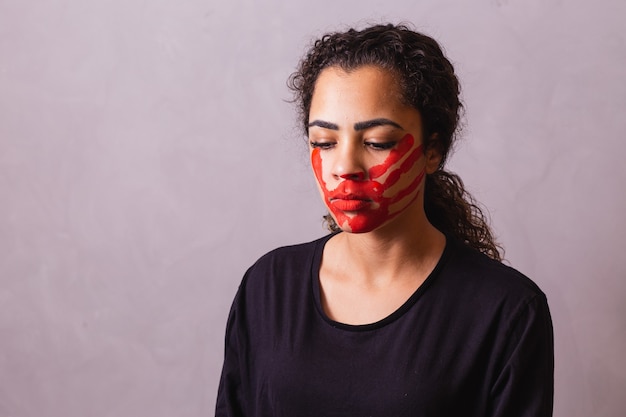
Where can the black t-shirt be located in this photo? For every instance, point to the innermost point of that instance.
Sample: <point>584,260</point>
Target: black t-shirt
<point>474,340</point>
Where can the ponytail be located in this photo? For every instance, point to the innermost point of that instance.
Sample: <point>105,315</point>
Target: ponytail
<point>453,211</point>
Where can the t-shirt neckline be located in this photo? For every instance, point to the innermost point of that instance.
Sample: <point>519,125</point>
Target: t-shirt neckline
<point>398,313</point>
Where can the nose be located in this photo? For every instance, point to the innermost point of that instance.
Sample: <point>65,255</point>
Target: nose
<point>349,165</point>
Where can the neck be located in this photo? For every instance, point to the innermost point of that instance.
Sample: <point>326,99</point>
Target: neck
<point>390,253</point>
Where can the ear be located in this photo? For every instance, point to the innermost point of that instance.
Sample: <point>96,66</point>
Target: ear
<point>433,155</point>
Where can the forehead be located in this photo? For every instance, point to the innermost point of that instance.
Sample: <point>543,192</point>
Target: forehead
<point>366,86</point>
<point>345,98</point>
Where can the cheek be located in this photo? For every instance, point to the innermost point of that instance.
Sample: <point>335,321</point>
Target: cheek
<point>316,164</point>
<point>405,177</point>
<point>396,175</point>
<point>381,172</point>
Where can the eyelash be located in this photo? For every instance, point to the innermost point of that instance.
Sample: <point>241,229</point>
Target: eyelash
<point>377,146</point>
<point>381,146</point>
<point>321,145</point>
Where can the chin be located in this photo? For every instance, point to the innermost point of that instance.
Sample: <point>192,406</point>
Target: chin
<point>360,225</point>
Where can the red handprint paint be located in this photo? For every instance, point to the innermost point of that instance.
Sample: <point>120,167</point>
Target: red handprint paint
<point>361,205</point>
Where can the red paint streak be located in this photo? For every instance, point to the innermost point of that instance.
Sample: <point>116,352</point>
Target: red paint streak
<point>360,205</point>
<point>394,156</point>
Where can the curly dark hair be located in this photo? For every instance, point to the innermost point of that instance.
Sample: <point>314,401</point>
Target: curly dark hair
<point>428,84</point>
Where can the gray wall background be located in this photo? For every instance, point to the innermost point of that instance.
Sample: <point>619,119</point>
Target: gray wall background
<point>147,158</point>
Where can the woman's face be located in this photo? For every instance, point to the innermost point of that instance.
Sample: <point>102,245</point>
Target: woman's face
<point>366,148</point>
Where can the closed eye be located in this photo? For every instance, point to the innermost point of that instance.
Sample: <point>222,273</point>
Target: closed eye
<point>321,145</point>
<point>381,146</point>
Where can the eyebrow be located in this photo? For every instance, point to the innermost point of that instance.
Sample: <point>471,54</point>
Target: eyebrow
<point>357,126</point>
<point>323,124</point>
<point>376,122</point>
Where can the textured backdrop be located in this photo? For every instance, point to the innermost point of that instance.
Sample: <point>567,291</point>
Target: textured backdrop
<point>148,156</point>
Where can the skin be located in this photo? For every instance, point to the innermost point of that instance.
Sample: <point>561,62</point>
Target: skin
<point>369,161</point>
<point>365,200</point>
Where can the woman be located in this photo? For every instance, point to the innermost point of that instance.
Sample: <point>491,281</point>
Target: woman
<point>404,309</point>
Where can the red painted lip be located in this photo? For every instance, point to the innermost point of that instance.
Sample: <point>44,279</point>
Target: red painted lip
<point>349,204</point>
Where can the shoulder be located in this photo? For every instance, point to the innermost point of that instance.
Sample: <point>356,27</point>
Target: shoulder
<point>288,257</point>
<point>476,281</point>
<point>476,268</point>
<point>284,266</point>
<point>276,286</point>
